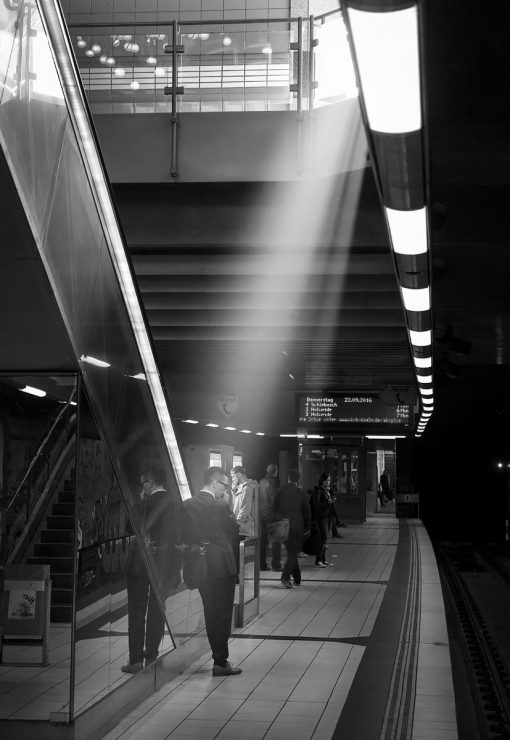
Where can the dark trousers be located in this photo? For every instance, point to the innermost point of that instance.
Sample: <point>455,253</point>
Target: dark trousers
<point>276,548</point>
<point>291,568</point>
<point>322,526</point>
<point>146,621</point>
<point>218,600</point>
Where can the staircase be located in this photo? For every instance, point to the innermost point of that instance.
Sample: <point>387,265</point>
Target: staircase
<point>56,547</point>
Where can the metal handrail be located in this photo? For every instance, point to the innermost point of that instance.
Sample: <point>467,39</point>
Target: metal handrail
<point>38,454</point>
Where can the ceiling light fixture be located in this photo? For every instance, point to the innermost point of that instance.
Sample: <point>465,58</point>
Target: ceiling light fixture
<point>260,434</point>
<point>423,362</point>
<point>408,230</point>
<point>94,361</point>
<point>33,391</point>
<point>80,42</point>
<point>416,299</point>
<point>421,338</point>
<point>119,72</point>
<point>134,85</point>
<point>424,378</point>
<point>151,60</point>
<point>190,421</point>
<point>214,426</point>
<point>96,48</point>
<point>389,65</point>
<point>230,429</point>
<point>226,41</point>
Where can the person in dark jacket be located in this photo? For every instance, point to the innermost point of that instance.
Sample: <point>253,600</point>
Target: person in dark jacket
<point>291,503</point>
<point>158,514</point>
<point>207,519</point>
<point>320,509</point>
<point>268,485</point>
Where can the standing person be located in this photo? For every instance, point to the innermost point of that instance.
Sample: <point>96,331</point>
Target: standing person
<point>320,508</point>
<point>268,486</point>
<point>207,520</point>
<point>158,521</point>
<point>292,503</point>
<point>243,495</point>
<point>386,494</point>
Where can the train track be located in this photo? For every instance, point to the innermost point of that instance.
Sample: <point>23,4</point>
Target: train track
<point>486,672</point>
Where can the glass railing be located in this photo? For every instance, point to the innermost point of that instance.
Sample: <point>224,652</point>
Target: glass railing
<point>250,65</point>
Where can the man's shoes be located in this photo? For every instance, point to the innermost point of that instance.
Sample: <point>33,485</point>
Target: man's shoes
<point>149,660</point>
<point>277,568</point>
<point>320,565</point>
<point>297,583</point>
<point>303,555</point>
<point>286,584</point>
<point>225,670</point>
<point>132,667</point>
<point>325,564</point>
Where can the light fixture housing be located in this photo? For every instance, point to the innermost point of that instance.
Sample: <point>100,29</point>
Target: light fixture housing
<point>387,52</point>
<point>416,299</point>
<point>94,361</point>
<point>33,391</point>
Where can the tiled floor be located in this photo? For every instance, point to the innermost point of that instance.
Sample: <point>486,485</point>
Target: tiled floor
<point>298,657</point>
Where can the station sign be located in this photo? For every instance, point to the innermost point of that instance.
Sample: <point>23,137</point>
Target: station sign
<point>332,409</point>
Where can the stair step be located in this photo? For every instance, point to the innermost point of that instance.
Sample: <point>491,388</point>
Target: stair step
<point>57,535</point>
<point>68,485</point>
<point>66,497</point>
<point>54,550</point>
<point>62,580</point>
<point>63,509</point>
<point>61,613</point>
<point>61,522</point>
<point>61,596</point>
<point>57,565</point>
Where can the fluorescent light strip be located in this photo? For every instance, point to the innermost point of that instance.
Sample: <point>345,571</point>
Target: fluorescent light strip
<point>138,376</point>
<point>421,338</point>
<point>245,431</point>
<point>77,107</point>
<point>190,421</point>
<point>423,362</point>
<point>386,46</point>
<point>260,434</point>
<point>33,391</point>
<point>426,391</point>
<point>94,361</point>
<point>214,426</point>
<point>424,378</point>
<point>385,436</point>
<point>408,231</point>
<point>416,299</point>
<point>230,429</point>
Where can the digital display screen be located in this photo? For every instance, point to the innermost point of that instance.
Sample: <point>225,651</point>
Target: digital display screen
<point>356,408</point>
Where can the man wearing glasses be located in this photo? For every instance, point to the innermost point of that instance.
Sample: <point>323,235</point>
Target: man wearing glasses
<point>208,522</point>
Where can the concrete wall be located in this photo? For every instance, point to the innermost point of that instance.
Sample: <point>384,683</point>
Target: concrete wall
<point>215,147</point>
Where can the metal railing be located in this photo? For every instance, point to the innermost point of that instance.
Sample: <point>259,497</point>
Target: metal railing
<point>33,482</point>
<point>201,66</point>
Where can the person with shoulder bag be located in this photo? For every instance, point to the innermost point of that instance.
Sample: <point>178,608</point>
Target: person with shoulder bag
<point>208,524</point>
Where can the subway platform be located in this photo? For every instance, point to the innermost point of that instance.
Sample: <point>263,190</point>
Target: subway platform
<point>359,651</point>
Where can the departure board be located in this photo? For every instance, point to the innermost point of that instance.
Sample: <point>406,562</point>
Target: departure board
<point>328,409</point>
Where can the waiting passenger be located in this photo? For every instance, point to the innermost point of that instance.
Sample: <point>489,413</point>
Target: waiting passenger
<point>158,515</point>
<point>320,508</point>
<point>207,519</point>
<point>243,498</point>
<point>292,503</point>
<point>268,486</point>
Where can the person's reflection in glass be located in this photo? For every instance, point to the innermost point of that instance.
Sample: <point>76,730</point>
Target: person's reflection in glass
<point>157,514</point>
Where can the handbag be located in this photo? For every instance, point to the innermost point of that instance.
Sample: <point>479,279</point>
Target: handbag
<point>194,571</point>
<point>278,530</point>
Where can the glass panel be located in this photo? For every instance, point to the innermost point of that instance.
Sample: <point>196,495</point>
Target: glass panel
<point>37,480</point>
<point>9,15</point>
<point>119,620</point>
<point>32,112</point>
